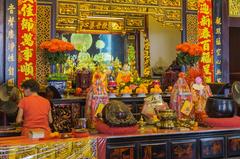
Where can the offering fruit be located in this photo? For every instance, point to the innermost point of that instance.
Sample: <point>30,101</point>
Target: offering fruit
<point>156,89</point>
<point>170,88</point>
<point>142,89</point>
<point>55,135</point>
<point>155,82</point>
<point>78,91</point>
<point>126,90</point>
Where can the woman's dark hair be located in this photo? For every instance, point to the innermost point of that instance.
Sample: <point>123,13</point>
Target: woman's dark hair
<point>31,84</point>
<point>56,94</point>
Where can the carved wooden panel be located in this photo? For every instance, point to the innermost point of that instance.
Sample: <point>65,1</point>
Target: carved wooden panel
<point>167,13</point>
<point>174,3</point>
<point>212,147</point>
<point>68,8</point>
<point>234,8</point>
<point>153,151</point>
<point>43,33</point>
<point>185,149</point>
<point>233,145</point>
<point>121,152</point>
<point>192,5</point>
<point>135,22</point>
<point>192,28</point>
<point>65,115</point>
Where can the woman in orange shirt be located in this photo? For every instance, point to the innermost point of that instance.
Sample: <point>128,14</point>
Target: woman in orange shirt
<point>34,110</point>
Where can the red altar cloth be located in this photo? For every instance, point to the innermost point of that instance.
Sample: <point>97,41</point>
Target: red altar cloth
<point>233,122</point>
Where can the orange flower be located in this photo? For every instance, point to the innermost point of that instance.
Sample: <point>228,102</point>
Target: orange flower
<point>192,51</point>
<point>97,76</point>
<point>199,50</point>
<point>48,44</point>
<point>56,45</point>
<point>62,48</point>
<point>45,45</point>
<point>181,75</point>
<point>69,47</point>
<point>126,78</point>
<point>53,49</point>
<point>56,41</point>
<point>186,47</point>
<point>194,72</point>
<point>179,47</point>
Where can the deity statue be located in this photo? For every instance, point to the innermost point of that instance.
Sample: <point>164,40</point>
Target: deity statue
<point>97,98</point>
<point>124,75</point>
<point>84,79</point>
<point>103,75</point>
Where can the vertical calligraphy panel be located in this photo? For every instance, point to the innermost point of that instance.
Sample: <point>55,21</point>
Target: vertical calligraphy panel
<point>205,38</point>
<point>27,28</point>
<point>217,28</point>
<point>10,42</point>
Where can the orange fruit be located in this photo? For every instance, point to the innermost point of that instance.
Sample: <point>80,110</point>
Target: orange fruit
<point>51,135</point>
<point>152,90</point>
<point>56,134</point>
<point>78,91</point>
<point>139,90</point>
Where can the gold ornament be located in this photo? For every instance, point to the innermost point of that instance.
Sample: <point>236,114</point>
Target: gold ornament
<point>147,66</point>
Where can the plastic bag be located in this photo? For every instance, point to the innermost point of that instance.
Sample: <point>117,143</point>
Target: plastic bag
<point>181,99</point>
<point>151,104</point>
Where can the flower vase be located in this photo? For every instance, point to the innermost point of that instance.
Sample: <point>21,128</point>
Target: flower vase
<point>56,79</point>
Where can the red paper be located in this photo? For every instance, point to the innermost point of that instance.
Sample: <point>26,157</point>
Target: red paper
<point>27,28</point>
<point>205,39</point>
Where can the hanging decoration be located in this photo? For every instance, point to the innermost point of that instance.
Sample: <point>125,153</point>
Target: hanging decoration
<point>26,40</point>
<point>217,27</point>
<point>147,66</point>
<point>131,57</point>
<point>11,41</point>
<point>205,39</point>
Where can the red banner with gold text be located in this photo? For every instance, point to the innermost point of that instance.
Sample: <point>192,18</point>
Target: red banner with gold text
<point>27,10</point>
<point>205,38</point>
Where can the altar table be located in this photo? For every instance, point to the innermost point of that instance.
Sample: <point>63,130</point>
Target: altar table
<point>205,143</point>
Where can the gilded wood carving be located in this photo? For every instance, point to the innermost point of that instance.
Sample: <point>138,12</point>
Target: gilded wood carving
<point>234,8</point>
<point>72,13</point>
